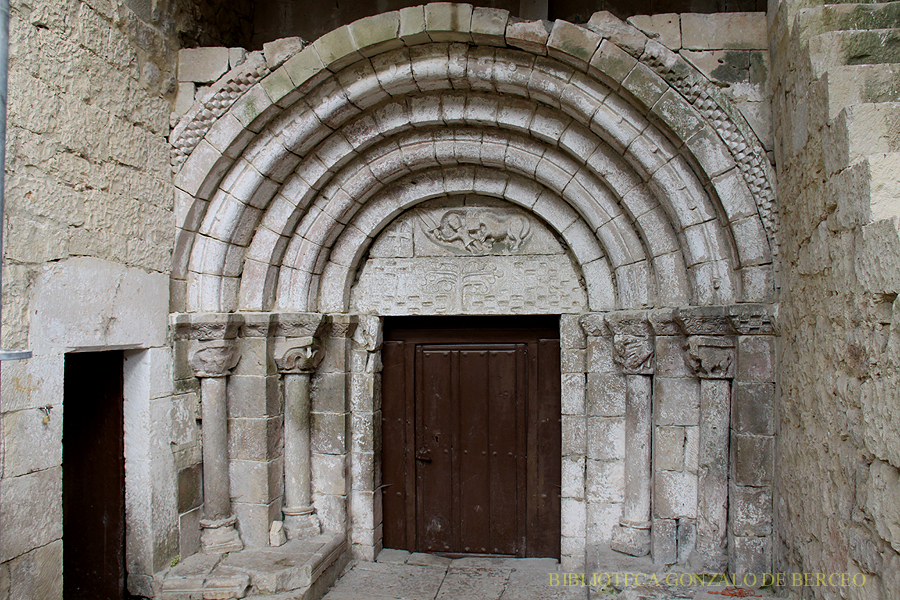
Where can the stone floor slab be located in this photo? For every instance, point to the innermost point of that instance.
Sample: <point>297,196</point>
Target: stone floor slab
<point>393,557</point>
<point>379,581</point>
<point>468,583</point>
<point>427,560</point>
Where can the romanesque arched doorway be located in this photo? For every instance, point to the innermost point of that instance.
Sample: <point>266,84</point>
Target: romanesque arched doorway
<point>655,192</point>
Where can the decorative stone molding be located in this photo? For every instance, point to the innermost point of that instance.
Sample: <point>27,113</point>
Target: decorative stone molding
<point>299,325</point>
<point>208,326</point>
<point>752,319</point>
<point>711,357</point>
<point>303,358</point>
<point>706,320</point>
<point>257,325</point>
<point>215,359</point>
<point>218,99</point>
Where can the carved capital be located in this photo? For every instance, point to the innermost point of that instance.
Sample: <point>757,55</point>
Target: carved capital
<point>303,358</point>
<point>215,359</point>
<point>593,324</point>
<point>634,353</point>
<point>369,333</point>
<point>342,326</point>
<point>711,357</point>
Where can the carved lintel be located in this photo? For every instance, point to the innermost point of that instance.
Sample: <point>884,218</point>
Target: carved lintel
<point>594,324</point>
<point>711,357</point>
<point>215,359</point>
<point>634,353</point>
<point>302,358</point>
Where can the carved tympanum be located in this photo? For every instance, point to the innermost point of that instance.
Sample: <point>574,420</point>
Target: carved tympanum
<point>303,358</point>
<point>634,353</point>
<point>215,359</point>
<point>711,357</point>
<point>478,231</point>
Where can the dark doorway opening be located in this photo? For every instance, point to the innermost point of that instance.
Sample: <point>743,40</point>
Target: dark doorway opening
<point>93,477</point>
<point>471,442</point>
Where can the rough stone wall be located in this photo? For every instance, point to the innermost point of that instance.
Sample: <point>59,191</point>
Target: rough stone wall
<point>839,441</point>
<point>88,236</point>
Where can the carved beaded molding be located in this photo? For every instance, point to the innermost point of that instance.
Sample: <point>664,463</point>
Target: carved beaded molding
<point>285,192</point>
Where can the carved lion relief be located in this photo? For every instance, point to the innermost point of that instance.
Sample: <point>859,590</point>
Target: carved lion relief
<point>478,230</point>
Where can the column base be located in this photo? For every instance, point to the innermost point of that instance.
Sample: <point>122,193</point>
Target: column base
<point>219,536</point>
<point>301,522</point>
<point>632,538</point>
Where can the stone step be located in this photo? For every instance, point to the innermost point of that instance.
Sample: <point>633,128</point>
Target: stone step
<point>868,191</point>
<point>861,84</point>
<point>832,48</point>
<point>293,570</point>
<point>846,17</point>
<point>861,130</point>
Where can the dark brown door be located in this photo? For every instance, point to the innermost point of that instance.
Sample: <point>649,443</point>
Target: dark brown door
<point>93,478</point>
<point>471,437</point>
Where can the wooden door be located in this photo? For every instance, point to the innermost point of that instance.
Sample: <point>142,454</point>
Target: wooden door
<point>471,437</point>
<point>93,477</point>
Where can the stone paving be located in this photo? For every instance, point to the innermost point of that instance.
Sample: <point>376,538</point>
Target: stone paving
<point>399,575</point>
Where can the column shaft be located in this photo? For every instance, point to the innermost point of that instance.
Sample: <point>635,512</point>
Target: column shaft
<point>715,422</point>
<point>637,449</point>
<point>296,440</point>
<point>216,488</point>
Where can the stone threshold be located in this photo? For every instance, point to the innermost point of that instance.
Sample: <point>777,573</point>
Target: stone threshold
<point>298,570</point>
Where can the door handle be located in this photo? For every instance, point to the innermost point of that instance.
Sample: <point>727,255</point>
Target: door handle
<point>423,454</point>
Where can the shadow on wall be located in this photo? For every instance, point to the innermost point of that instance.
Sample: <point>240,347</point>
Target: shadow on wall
<point>275,19</point>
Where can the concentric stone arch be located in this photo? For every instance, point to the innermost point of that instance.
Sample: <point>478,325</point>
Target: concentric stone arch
<point>277,179</point>
<point>650,178</point>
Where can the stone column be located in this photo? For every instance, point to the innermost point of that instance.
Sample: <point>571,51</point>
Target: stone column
<point>633,345</point>
<point>212,362</point>
<point>296,366</point>
<point>712,358</point>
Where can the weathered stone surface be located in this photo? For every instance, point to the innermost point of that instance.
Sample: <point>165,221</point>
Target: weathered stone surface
<point>753,407</point>
<point>23,527</point>
<point>202,65</point>
<point>750,511</point>
<point>118,306</point>
<point>745,31</point>
<point>677,401</point>
<point>663,545</point>
<point>675,495</point>
<point>665,28</point>
<point>753,459</point>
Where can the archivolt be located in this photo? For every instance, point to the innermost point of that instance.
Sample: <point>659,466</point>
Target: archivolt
<point>289,187</point>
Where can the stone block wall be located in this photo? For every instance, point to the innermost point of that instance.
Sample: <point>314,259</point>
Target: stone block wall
<point>87,239</point>
<point>838,449</point>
